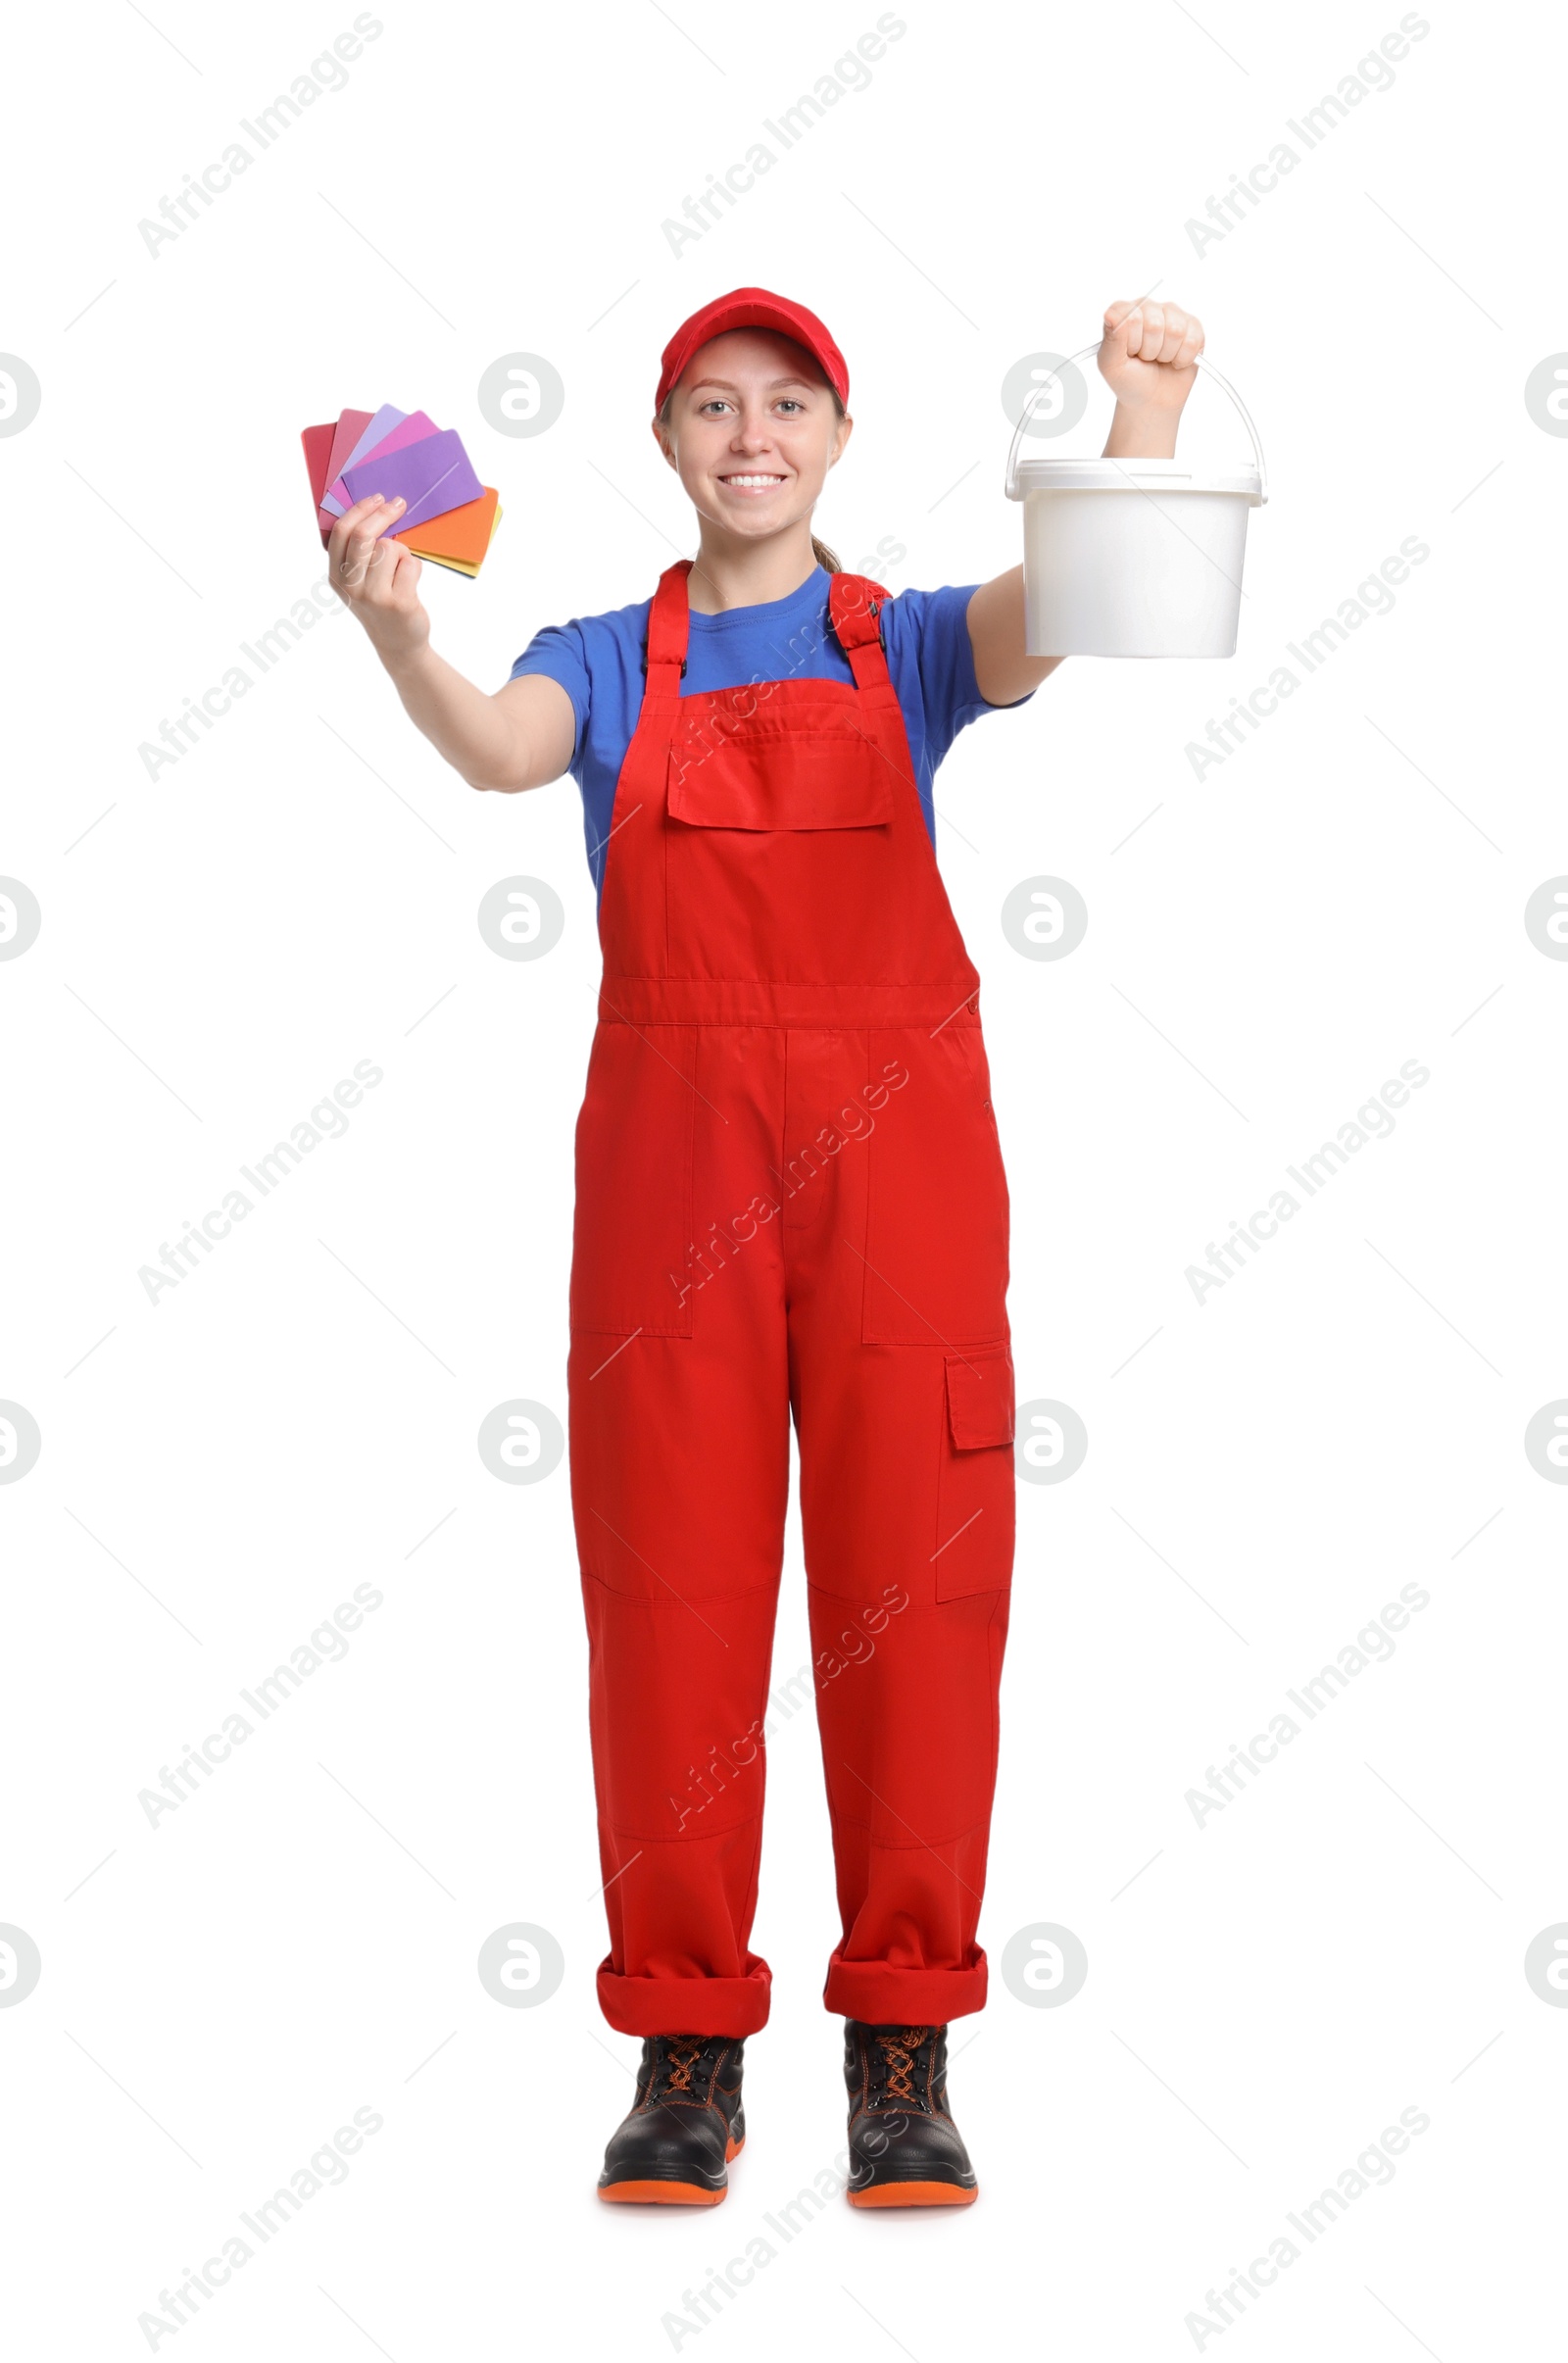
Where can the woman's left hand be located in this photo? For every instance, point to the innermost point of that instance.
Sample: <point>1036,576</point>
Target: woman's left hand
<point>1148,354</point>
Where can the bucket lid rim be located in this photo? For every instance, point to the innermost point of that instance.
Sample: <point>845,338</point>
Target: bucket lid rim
<point>1041,472</point>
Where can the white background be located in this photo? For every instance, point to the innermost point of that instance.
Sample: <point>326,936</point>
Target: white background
<point>220,943</point>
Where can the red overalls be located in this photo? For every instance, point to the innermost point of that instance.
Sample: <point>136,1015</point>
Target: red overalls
<point>790,1198</point>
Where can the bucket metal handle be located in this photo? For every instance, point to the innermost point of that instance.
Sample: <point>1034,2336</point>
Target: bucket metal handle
<point>1205,368</point>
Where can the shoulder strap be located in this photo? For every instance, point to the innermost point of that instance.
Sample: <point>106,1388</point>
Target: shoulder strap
<point>855,607</point>
<point>668,628</point>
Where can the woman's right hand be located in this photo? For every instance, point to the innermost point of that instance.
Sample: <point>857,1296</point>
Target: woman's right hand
<point>378,580</point>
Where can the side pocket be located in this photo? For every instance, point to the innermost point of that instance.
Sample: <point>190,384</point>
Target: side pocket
<point>632,1228</point>
<point>975,1489</point>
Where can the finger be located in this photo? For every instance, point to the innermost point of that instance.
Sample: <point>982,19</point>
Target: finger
<point>381,519</point>
<point>344,561</point>
<point>361,519</point>
<point>364,539</point>
<point>1175,330</point>
<point>1121,341</point>
<point>1191,342</point>
<point>388,583</point>
<point>1150,332</point>
<point>406,582</point>
<point>343,527</point>
<point>1116,314</point>
<point>361,509</point>
<point>373,578</point>
<point>353,564</point>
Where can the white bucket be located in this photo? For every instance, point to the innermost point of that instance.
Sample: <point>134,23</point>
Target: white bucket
<point>1132,558</point>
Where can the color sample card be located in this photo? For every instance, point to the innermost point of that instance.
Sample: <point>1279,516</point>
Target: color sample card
<point>347,432</point>
<point>447,556</point>
<point>412,430</point>
<point>433,477</point>
<point>450,518</point>
<point>458,565</point>
<point>379,427</point>
<point>461,533</point>
<point>317,442</point>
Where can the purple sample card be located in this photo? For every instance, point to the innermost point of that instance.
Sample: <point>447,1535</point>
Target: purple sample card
<point>432,476</point>
<point>412,430</point>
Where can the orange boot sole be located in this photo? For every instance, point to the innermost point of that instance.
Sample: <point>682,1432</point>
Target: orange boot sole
<point>914,2194</point>
<point>671,2194</point>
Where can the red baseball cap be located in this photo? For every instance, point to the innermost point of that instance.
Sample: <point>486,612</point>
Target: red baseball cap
<point>752,308</point>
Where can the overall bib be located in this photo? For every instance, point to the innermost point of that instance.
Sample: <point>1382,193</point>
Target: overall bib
<point>790,1201</point>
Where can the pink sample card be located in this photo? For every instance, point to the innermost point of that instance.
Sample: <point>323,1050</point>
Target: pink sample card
<point>350,427</point>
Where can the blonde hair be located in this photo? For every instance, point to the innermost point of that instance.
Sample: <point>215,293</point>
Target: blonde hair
<point>828,560</point>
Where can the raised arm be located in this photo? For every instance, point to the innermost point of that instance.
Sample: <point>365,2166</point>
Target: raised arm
<point>1147,356</point>
<point>522,736</point>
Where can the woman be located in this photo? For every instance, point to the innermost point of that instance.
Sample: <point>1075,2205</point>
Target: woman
<point>790,1202</point>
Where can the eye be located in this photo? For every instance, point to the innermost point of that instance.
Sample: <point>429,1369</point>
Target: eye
<point>788,402</point>
<point>714,401</point>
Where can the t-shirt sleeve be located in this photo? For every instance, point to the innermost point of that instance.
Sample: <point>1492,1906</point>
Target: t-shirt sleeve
<point>933,631</point>
<point>559,653</point>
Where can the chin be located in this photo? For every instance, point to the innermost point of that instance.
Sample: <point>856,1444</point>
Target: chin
<point>743,528</point>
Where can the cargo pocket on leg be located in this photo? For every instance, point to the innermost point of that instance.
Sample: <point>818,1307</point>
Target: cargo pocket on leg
<point>975,1489</point>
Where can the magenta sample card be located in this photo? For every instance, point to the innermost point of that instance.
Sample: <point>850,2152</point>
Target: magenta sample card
<point>432,476</point>
<point>412,430</point>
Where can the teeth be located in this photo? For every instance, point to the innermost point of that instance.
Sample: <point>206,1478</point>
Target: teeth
<point>750,482</point>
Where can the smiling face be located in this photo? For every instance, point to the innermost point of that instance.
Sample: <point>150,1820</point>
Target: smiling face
<point>751,428</point>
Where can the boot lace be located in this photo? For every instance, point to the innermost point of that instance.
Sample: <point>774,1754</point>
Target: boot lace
<point>891,2082</point>
<point>682,2067</point>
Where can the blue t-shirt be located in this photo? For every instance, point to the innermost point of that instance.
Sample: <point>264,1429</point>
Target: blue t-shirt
<point>597,661</point>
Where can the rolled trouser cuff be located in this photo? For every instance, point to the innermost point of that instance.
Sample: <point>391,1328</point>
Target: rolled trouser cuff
<point>674,2005</point>
<point>882,1995</point>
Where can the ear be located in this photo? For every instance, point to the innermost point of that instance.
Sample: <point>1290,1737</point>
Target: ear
<point>662,439</point>
<point>841,443</point>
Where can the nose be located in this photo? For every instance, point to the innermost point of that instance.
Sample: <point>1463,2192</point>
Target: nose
<point>751,432</point>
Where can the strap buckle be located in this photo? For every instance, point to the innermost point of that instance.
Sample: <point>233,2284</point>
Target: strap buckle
<point>644,658</point>
<point>872,610</point>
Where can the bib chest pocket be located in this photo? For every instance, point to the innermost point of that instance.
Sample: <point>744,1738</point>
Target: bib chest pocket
<point>761,773</point>
<point>777,848</point>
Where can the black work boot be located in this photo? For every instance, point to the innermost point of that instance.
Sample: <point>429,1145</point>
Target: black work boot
<point>904,2149</point>
<point>684,2127</point>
